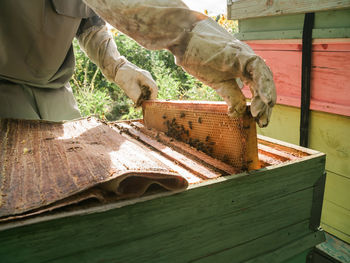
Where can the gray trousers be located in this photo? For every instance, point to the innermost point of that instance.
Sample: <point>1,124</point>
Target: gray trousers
<point>20,101</point>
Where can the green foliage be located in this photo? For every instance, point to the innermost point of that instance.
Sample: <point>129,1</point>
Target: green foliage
<point>97,96</point>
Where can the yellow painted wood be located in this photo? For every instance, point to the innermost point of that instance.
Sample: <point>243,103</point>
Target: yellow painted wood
<point>336,220</point>
<point>338,190</point>
<point>328,134</point>
<point>284,124</point>
<point>336,207</point>
<point>242,9</point>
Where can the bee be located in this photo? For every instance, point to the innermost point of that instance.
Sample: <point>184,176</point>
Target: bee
<point>226,159</point>
<point>190,124</point>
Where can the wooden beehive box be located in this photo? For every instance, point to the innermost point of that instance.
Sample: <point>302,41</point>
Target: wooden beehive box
<point>266,215</point>
<point>274,30</point>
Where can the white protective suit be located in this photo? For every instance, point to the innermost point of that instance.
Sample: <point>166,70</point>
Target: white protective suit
<point>202,47</point>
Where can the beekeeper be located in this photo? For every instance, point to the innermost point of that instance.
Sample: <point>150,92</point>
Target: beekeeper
<point>37,60</point>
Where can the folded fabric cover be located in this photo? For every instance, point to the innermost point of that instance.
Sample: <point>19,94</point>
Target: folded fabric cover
<point>45,165</point>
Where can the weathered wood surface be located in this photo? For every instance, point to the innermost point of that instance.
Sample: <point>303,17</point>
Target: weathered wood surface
<point>259,246</point>
<point>335,248</point>
<point>329,24</point>
<point>288,251</point>
<point>207,218</point>
<point>336,218</point>
<point>177,150</point>
<point>300,258</point>
<point>337,191</point>
<point>336,212</point>
<point>329,76</point>
<point>243,9</point>
<point>42,163</point>
<point>329,134</point>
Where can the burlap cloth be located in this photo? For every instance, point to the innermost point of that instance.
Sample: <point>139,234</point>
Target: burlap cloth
<point>45,165</point>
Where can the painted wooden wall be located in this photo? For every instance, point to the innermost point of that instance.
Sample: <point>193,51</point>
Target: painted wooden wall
<point>278,40</point>
<point>242,9</point>
<point>330,72</point>
<point>328,24</point>
<point>329,133</point>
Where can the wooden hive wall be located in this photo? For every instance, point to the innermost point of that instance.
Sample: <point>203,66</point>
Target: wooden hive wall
<point>329,134</point>
<point>223,220</point>
<point>277,38</point>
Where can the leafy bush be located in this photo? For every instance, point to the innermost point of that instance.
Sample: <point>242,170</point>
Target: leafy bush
<point>97,96</point>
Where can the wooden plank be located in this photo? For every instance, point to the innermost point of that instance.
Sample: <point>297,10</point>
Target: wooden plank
<point>338,234</point>
<point>323,20</point>
<point>329,76</point>
<point>191,165</point>
<point>317,202</point>
<point>338,195</point>
<point>202,238</point>
<point>337,218</point>
<point>294,34</point>
<point>243,9</point>
<point>329,44</point>
<point>259,245</point>
<point>329,134</point>
<point>334,248</point>
<point>134,243</point>
<point>180,147</point>
<point>192,218</point>
<point>287,252</point>
<point>328,24</point>
<point>300,258</point>
<point>338,190</point>
<point>271,24</point>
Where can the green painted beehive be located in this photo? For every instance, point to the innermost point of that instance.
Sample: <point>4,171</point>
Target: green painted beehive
<point>267,215</point>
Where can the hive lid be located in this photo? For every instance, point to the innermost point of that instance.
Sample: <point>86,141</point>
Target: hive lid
<point>45,165</point>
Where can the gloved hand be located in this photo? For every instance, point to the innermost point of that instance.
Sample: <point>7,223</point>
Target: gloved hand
<point>260,81</point>
<point>100,47</point>
<point>138,84</point>
<point>201,46</point>
<point>218,59</point>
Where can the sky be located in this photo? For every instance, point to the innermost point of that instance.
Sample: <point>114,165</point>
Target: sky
<point>214,7</point>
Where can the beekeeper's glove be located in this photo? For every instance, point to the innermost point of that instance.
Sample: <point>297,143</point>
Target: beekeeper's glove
<point>100,47</point>
<point>215,57</point>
